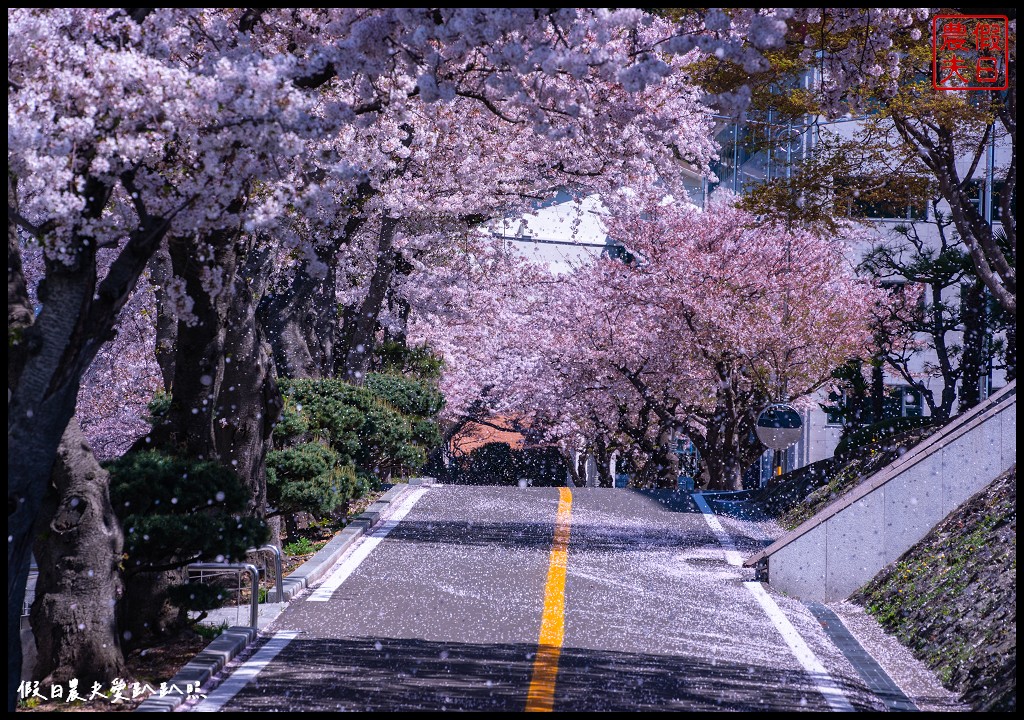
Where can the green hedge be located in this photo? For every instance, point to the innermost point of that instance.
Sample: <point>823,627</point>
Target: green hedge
<point>337,440</point>
<point>879,432</point>
<point>308,476</point>
<point>176,511</point>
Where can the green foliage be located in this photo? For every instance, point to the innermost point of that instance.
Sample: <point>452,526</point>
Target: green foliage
<point>308,476</point>
<point>952,598</point>
<point>880,432</point>
<point>418,362</point>
<point>210,632</point>
<point>302,546</point>
<point>849,402</point>
<point>292,422</point>
<point>158,407</point>
<point>802,493</point>
<point>177,511</point>
<point>837,483</point>
<point>381,429</point>
<point>198,596</point>
<point>410,395</point>
<point>338,440</point>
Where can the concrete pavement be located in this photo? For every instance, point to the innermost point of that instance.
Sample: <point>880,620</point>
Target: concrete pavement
<point>444,612</point>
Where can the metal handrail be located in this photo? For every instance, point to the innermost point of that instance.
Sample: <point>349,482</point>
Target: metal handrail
<point>254,573</point>
<point>277,568</point>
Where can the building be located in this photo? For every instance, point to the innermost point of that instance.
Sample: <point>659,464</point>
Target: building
<point>565,233</point>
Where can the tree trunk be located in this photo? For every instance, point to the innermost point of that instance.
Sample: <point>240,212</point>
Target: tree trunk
<point>604,463</point>
<point>667,460</point>
<point>224,392</point>
<point>200,353</point>
<point>225,396</point>
<point>400,309</point>
<point>398,306</point>
<point>301,321</point>
<point>572,470</point>
<point>160,274</point>
<point>145,611</point>
<point>723,435</point>
<point>877,391</point>
<point>973,359</point>
<point>938,327</point>
<point>361,327</point>
<point>76,317</point>
<point>249,403</point>
<point>78,550</point>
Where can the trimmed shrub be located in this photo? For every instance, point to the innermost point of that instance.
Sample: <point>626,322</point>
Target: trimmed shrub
<point>880,432</point>
<point>310,477</point>
<point>177,511</point>
<point>381,429</point>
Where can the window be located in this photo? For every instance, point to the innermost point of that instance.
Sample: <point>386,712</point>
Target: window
<point>997,198</point>
<point>615,251</point>
<point>902,401</point>
<point>834,412</point>
<point>976,192</point>
<point>888,200</point>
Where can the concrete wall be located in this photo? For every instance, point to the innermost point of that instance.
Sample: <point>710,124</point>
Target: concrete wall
<point>849,542</point>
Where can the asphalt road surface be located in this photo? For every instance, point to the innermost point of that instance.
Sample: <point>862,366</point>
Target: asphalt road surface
<point>508,599</point>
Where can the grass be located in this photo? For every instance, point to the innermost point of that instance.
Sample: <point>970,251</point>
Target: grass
<point>210,632</point>
<point>948,601</point>
<point>303,546</point>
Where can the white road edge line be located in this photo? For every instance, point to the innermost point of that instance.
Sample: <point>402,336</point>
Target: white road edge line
<point>226,691</point>
<point>349,563</point>
<point>822,680</point>
<point>732,555</point>
<point>806,657</point>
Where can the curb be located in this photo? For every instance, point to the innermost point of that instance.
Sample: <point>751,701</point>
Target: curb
<point>234,640</point>
<point>201,668</point>
<point>877,679</point>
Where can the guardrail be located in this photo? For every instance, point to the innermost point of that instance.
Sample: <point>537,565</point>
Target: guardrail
<point>254,573</point>
<point>239,568</point>
<point>30,589</point>
<point>278,578</point>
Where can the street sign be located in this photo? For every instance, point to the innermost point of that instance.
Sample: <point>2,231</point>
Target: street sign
<point>779,426</point>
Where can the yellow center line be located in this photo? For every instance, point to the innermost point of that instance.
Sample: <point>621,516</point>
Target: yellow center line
<point>541,696</point>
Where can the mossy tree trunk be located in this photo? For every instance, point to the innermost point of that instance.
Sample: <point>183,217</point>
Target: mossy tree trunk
<point>78,551</point>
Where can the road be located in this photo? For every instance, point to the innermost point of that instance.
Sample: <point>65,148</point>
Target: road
<point>507,599</point>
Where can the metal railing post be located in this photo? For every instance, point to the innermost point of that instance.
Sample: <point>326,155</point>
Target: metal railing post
<point>254,573</point>
<point>279,581</point>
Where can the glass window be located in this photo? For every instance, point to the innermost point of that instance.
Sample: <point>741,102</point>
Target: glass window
<point>834,412</point>
<point>997,195</point>
<point>974,191</point>
<point>902,401</point>
<point>887,200</point>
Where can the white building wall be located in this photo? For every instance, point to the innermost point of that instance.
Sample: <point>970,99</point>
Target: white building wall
<point>565,234</point>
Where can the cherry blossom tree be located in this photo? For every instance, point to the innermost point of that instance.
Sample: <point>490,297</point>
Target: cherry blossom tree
<point>877,63</point>
<point>719,314</point>
<point>211,130</point>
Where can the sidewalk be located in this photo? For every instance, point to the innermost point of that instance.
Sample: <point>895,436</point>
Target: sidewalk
<point>236,638</point>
